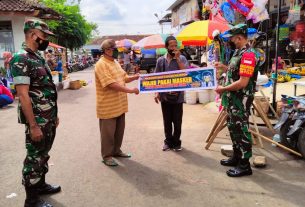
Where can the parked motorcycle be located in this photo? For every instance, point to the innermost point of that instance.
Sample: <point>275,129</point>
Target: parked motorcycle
<point>292,123</point>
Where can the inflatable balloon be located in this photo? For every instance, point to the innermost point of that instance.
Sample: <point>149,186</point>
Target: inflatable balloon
<point>227,12</point>
<point>242,6</point>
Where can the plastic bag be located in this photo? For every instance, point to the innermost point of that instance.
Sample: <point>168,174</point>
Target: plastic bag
<point>294,14</point>
<point>258,12</point>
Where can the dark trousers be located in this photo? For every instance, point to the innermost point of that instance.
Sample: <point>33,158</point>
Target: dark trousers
<point>35,165</point>
<point>172,121</point>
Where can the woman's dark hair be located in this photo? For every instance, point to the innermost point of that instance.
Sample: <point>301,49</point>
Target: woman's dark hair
<point>169,38</point>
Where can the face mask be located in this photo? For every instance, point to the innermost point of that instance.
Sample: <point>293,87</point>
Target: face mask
<point>232,45</point>
<point>115,53</point>
<point>171,53</point>
<point>42,46</point>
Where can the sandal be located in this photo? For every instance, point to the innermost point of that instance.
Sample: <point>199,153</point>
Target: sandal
<point>123,155</point>
<point>110,162</point>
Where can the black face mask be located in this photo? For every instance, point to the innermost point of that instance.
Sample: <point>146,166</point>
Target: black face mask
<point>115,53</point>
<point>42,46</point>
<point>171,53</point>
<point>232,45</point>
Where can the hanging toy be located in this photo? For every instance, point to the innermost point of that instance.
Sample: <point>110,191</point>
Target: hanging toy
<point>227,12</point>
<point>212,5</point>
<point>242,6</point>
<point>258,12</point>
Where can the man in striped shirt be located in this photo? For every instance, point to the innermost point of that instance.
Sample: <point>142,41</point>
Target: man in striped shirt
<point>111,102</point>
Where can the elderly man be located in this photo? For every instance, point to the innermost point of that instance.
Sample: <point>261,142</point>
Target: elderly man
<point>111,102</point>
<point>37,110</point>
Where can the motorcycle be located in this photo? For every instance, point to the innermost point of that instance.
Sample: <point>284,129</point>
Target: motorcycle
<point>292,123</point>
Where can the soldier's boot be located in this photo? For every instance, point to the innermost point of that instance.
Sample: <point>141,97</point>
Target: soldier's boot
<point>232,161</point>
<point>243,169</point>
<point>45,188</point>
<point>33,200</point>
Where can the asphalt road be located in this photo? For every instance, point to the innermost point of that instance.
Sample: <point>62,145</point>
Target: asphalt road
<point>151,177</point>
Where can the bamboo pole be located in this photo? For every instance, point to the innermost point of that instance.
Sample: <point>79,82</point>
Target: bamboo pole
<point>277,144</point>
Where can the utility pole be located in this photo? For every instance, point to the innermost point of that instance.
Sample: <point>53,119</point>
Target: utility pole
<point>159,21</point>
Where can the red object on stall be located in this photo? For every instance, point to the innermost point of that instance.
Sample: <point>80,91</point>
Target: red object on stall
<point>300,27</point>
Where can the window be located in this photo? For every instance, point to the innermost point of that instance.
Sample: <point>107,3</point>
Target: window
<point>6,37</point>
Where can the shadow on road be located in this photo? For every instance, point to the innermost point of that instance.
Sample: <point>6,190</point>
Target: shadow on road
<point>150,182</point>
<point>54,202</point>
<point>198,160</point>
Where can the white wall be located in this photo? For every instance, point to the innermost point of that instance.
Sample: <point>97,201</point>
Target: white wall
<point>17,25</point>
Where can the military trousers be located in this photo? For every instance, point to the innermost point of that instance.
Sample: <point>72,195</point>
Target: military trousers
<point>238,125</point>
<point>35,165</point>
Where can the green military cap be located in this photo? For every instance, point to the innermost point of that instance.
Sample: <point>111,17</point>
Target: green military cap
<point>237,29</point>
<point>36,24</point>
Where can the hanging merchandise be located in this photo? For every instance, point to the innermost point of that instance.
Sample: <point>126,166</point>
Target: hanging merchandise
<point>258,12</point>
<point>242,6</point>
<point>284,32</point>
<point>227,12</point>
<point>294,12</point>
<point>211,5</point>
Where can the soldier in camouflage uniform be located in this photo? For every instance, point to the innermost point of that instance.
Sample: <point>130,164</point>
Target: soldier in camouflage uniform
<point>237,98</point>
<point>37,110</point>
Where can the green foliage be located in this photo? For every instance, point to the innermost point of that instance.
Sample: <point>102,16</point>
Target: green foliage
<point>73,31</point>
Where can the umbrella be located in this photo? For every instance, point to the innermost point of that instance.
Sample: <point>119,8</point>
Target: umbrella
<point>125,43</point>
<point>201,31</point>
<point>153,42</point>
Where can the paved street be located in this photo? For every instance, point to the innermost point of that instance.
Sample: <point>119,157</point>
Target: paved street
<point>189,178</point>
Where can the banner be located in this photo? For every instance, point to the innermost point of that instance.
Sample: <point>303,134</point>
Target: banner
<point>178,80</point>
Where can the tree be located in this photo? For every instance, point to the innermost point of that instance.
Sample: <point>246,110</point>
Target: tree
<point>73,31</point>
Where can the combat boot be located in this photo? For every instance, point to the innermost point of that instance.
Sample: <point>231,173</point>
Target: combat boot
<point>243,169</point>
<point>45,188</point>
<point>33,200</point>
<point>232,161</point>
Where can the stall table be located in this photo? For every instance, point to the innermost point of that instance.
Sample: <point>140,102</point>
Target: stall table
<point>299,83</point>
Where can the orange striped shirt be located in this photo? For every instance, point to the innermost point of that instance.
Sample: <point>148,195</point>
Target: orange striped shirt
<point>109,103</point>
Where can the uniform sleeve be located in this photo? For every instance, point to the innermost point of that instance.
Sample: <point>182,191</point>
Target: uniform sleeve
<point>20,70</point>
<point>247,64</point>
<point>103,75</point>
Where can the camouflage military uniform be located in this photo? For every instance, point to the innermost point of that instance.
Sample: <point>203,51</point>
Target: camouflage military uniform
<point>238,103</point>
<point>30,68</point>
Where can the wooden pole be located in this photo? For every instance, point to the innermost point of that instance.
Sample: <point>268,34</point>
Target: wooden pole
<point>222,113</point>
<point>277,144</point>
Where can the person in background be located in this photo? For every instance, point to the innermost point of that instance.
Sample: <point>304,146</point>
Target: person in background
<point>111,102</point>
<point>127,64</point>
<point>171,102</point>
<point>50,60</point>
<point>7,58</point>
<point>6,97</point>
